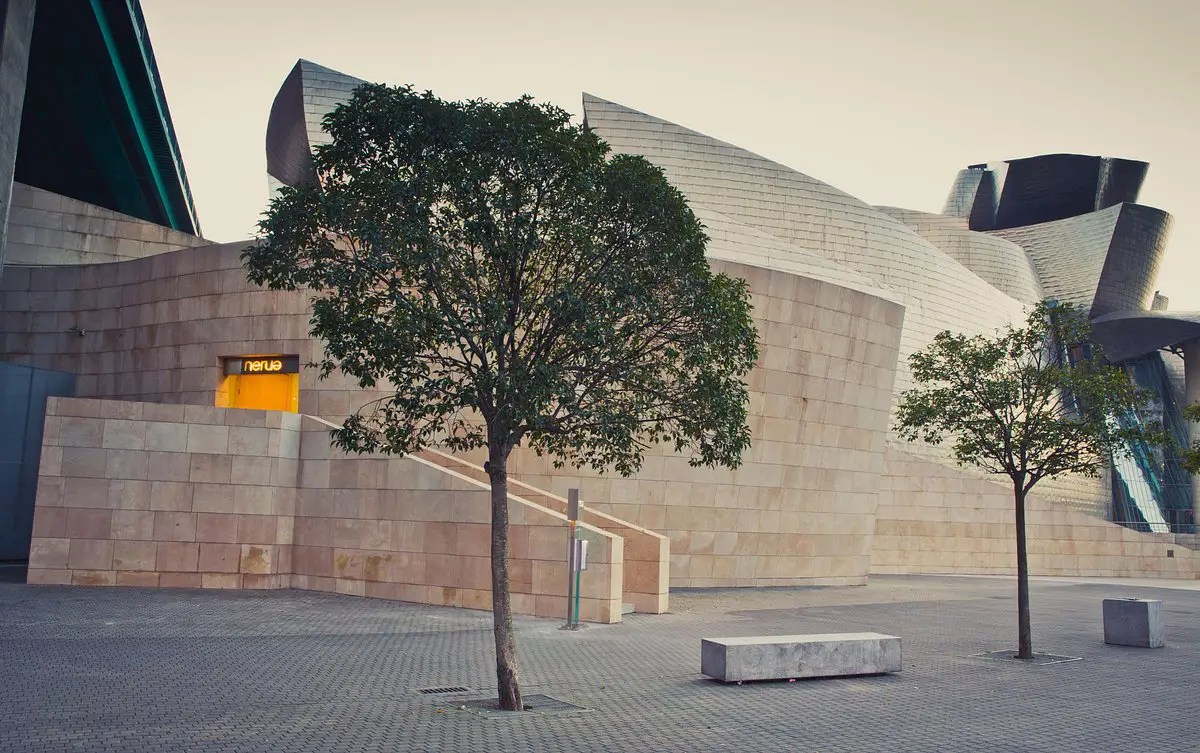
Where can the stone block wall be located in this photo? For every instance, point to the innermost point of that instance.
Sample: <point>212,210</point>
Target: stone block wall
<point>46,228</point>
<point>934,519</point>
<point>646,582</point>
<point>155,329</point>
<point>405,528</point>
<point>800,509</point>
<point>151,494</point>
<point>164,495</point>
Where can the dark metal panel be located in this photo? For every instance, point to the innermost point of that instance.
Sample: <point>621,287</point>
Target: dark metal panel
<point>23,393</point>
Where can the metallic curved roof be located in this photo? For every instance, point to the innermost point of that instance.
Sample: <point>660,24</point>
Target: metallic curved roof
<point>1129,334</point>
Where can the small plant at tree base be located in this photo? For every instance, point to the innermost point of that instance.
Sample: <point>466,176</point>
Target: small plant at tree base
<point>509,284</point>
<point>1016,405</point>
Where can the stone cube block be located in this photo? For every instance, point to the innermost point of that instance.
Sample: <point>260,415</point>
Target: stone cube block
<point>1133,622</point>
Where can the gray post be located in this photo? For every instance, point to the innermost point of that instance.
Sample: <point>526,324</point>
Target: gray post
<point>572,515</point>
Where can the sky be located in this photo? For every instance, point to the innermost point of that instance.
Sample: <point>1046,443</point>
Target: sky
<point>884,99</point>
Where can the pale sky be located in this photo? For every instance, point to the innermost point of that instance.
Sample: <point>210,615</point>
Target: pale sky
<point>885,99</point>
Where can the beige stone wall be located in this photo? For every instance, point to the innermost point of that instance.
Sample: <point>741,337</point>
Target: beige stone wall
<point>646,582</point>
<point>800,510</point>
<point>934,519</point>
<point>46,228</point>
<point>170,495</point>
<point>405,528</point>
<point>193,496</point>
<point>155,329</point>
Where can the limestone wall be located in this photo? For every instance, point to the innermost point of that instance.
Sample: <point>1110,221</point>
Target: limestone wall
<point>801,508</point>
<point>935,519</point>
<point>164,495</point>
<point>198,497</point>
<point>47,228</point>
<point>405,528</point>
<point>155,329</point>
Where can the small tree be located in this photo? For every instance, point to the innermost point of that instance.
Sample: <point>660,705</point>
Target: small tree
<point>507,283</point>
<point>1189,456</point>
<point>1018,405</point>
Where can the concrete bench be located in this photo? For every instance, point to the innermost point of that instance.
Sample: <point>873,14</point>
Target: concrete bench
<point>1133,622</point>
<point>780,657</point>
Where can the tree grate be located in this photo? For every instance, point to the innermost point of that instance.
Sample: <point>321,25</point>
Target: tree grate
<point>1038,660</point>
<point>535,705</point>
<point>444,689</point>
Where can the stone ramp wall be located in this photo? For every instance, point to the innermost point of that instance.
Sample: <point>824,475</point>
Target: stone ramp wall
<point>934,519</point>
<point>405,528</point>
<point>647,554</point>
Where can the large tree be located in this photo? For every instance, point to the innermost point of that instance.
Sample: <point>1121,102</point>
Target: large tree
<point>509,283</point>
<point>1029,403</point>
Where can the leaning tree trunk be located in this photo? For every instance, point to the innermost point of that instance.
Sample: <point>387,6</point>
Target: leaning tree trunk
<point>1024,631</point>
<point>506,641</point>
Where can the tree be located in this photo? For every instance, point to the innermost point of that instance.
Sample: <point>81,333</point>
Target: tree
<point>1189,456</point>
<point>508,283</point>
<point>1029,403</point>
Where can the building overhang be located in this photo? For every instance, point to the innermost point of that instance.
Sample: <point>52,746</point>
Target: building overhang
<point>95,124</point>
<point>1129,334</point>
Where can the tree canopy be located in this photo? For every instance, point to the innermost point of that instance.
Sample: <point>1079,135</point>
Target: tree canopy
<point>1028,403</point>
<point>493,259</point>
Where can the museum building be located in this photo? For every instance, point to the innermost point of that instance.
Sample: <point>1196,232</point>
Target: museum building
<point>170,433</point>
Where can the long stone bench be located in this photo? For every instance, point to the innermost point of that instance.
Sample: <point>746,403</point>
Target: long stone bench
<point>780,657</point>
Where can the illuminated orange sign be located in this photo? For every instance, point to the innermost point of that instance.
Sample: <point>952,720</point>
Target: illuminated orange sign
<point>261,365</point>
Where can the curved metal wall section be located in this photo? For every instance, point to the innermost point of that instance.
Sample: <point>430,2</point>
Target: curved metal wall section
<point>308,93</point>
<point>1101,261</point>
<point>1058,186</point>
<point>1000,263</point>
<point>938,292</point>
<point>1134,258</point>
<point>733,241</point>
<point>1069,254</point>
<point>974,197</point>
<point>1129,334</point>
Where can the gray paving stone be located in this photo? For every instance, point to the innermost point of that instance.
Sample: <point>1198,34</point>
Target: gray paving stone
<point>157,670</point>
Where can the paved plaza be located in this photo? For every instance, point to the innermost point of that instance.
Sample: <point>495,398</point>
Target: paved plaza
<point>123,669</point>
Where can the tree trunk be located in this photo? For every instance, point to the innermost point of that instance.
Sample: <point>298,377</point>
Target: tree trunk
<point>1024,631</point>
<point>506,640</point>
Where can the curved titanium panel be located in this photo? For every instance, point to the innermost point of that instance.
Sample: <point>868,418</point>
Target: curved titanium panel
<point>289,155</point>
<point>939,293</point>
<point>1069,254</point>
<point>1101,261</point>
<point>974,197</point>
<point>1134,257</point>
<point>1000,263</point>
<point>308,93</point>
<point>1058,186</point>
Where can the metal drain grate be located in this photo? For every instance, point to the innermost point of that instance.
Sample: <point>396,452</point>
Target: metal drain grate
<point>535,705</point>
<point>1039,660</point>
<point>445,689</point>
